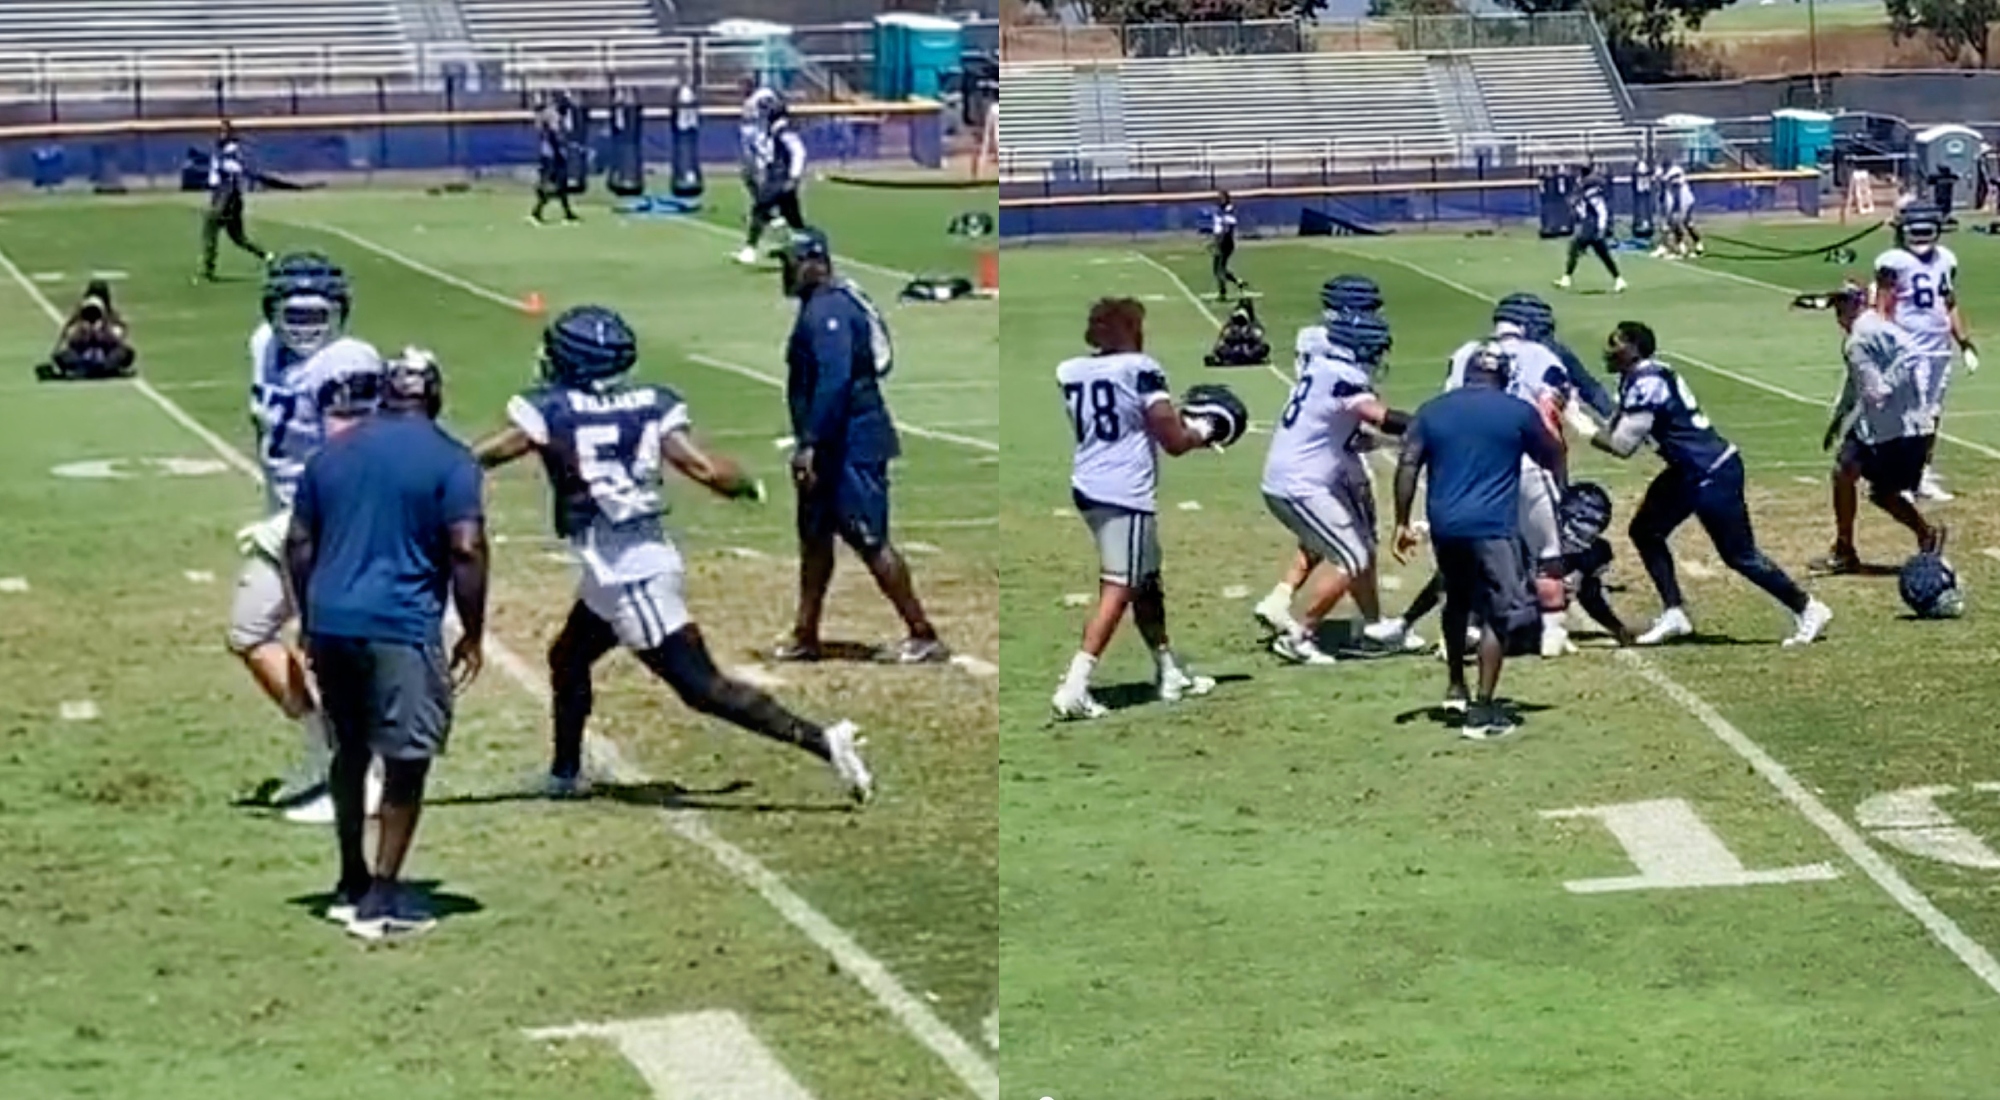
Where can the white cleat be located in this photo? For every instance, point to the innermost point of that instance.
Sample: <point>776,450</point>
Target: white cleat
<point>1177,685</point>
<point>1929,488</point>
<point>1618,285</point>
<point>747,257</point>
<point>843,752</point>
<point>1812,622</point>
<point>1393,634</point>
<point>1660,253</point>
<point>1300,649</point>
<point>1672,623</point>
<point>1562,283</point>
<point>1077,707</point>
<point>319,811</point>
<point>1275,615</point>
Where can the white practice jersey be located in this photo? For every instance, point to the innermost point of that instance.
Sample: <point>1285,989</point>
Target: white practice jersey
<point>754,131</point>
<point>1923,285</point>
<point>1312,444</point>
<point>284,403</point>
<point>1884,379</point>
<point>1106,398</point>
<point>1313,341</point>
<point>1675,191</point>
<point>1538,376</point>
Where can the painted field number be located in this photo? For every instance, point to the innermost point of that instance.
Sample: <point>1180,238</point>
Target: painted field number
<point>694,1056</point>
<point>1674,849</point>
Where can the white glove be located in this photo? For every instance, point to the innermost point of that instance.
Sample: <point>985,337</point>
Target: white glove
<point>1580,421</point>
<point>1201,426</point>
<point>266,538</point>
<point>1971,361</point>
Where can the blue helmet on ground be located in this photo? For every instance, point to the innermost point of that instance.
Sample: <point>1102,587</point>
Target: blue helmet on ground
<point>1929,587</point>
<point>1350,294</point>
<point>1583,516</point>
<point>306,300</point>
<point>588,348</point>
<point>1528,312</point>
<point>1364,334</point>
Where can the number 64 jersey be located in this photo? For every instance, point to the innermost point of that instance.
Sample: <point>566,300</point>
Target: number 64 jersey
<point>1106,397</point>
<point>1924,288</point>
<point>602,453</point>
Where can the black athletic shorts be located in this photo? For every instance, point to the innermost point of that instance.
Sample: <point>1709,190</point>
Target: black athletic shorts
<point>1894,466</point>
<point>1489,577</point>
<point>392,697</point>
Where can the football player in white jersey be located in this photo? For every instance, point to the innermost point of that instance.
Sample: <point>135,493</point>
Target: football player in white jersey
<point>1677,213</point>
<point>1916,287</point>
<point>1885,427</point>
<point>1121,417</point>
<point>1314,479</point>
<point>1539,378</point>
<point>299,348</point>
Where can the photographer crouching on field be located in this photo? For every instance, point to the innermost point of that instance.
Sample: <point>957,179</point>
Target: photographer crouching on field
<point>1241,342</point>
<point>94,341</point>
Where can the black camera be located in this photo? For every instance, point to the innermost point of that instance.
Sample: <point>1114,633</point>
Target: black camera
<point>1241,342</point>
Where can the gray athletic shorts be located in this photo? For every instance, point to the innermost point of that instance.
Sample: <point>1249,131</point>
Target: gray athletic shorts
<point>1128,543</point>
<point>261,607</point>
<point>393,697</point>
<point>1336,526</point>
<point>1539,501</point>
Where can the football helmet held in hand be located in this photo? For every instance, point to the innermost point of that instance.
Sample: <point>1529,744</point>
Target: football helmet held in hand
<point>1227,416</point>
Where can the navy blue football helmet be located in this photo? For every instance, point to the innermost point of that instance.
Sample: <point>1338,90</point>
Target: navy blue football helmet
<point>1929,587</point>
<point>350,380</point>
<point>588,348</point>
<point>1528,312</point>
<point>1918,226</point>
<point>1350,294</point>
<point>307,301</point>
<point>1364,334</point>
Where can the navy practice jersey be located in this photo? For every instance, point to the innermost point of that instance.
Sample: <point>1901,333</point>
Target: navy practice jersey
<point>1686,439</point>
<point>1222,224</point>
<point>602,452</point>
<point>1593,214</point>
<point>227,171</point>
<point>836,358</point>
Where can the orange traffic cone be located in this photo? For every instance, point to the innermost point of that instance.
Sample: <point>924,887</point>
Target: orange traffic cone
<point>533,303</point>
<point>989,275</point>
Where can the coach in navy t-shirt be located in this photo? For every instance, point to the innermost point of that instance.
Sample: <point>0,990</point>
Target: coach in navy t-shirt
<point>387,521</point>
<point>1471,441</point>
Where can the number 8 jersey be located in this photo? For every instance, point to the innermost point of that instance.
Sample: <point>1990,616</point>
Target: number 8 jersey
<point>1106,398</point>
<point>602,452</point>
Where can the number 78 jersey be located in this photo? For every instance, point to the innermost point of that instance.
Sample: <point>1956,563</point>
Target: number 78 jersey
<point>602,453</point>
<point>1106,398</point>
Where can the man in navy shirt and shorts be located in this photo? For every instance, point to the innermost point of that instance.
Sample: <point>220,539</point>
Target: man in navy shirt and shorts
<point>1471,440</point>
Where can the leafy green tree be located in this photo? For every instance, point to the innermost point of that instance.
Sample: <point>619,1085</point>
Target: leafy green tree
<point>1953,25</point>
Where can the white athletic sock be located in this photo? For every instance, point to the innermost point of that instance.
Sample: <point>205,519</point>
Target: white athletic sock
<point>1552,621</point>
<point>1164,659</point>
<point>1077,681</point>
<point>1282,593</point>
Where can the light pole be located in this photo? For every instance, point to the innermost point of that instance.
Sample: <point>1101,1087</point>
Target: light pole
<point>1812,50</point>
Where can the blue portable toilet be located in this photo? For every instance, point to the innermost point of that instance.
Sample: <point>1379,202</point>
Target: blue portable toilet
<point>1799,138</point>
<point>913,54</point>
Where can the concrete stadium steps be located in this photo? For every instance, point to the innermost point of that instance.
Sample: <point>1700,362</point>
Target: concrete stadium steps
<point>568,21</point>
<point>1040,123</point>
<point>107,26</point>
<point>1537,90</point>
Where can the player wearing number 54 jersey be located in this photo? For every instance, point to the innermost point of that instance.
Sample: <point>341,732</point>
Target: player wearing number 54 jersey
<point>602,440</point>
<point>1703,480</point>
<point>1121,416</point>
<point>1916,287</point>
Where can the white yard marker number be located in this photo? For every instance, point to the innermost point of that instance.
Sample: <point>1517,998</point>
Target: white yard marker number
<point>1675,849</point>
<point>1911,820</point>
<point>696,1056</point>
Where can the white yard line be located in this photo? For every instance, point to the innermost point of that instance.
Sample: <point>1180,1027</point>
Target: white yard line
<point>1195,301</point>
<point>905,426</point>
<point>1850,842</point>
<point>972,1068</point>
<point>844,261</point>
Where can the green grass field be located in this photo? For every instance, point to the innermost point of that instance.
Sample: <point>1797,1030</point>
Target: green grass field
<point>1304,886</point>
<point>154,938</point>
<point>1748,18</point>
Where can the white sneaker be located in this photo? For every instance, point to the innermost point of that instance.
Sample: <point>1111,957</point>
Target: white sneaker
<point>1672,623</point>
<point>1562,283</point>
<point>1177,685</point>
<point>747,256</point>
<point>1811,621</point>
<point>843,752</point>
<point>1077,706</point>
<point>319,811</point>
<point>1929,488</point>
<point>1618,285</point>
<point>1394,634</point>
<point>1660,253</point>
<point>1275,615</point>
<point>1300,649</point>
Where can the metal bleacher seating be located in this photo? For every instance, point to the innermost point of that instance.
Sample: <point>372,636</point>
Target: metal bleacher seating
<point>1547,90</point>
<point>107,44</point>
<point>1040,123</point>
<point>569,21</point>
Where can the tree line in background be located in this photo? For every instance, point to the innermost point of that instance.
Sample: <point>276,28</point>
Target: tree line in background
<point>1646,36</point>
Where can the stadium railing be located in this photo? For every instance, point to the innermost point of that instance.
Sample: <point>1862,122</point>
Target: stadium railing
<point>1365,205</point>
<point>113,152</point>
<point>1435,33</point>
<point>1080,168</point>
